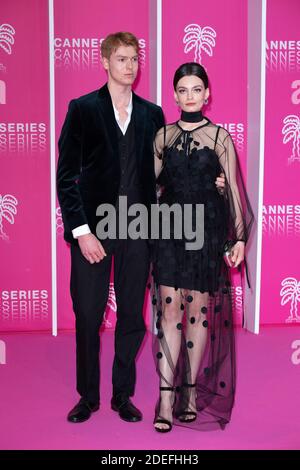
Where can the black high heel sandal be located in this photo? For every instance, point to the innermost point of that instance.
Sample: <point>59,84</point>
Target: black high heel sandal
<point>193,414</point>
<point>163,420</point>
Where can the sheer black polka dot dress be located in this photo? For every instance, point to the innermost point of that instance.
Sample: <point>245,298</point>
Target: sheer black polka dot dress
<point>191,293</point>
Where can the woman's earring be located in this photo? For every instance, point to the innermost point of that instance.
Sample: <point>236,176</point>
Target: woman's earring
<point>205,101</point>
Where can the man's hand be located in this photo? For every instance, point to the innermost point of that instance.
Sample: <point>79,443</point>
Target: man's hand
<point>91,248</point>
<point>220,183</point>
<point>238,253</point>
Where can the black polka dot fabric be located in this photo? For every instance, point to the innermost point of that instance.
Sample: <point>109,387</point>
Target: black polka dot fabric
<point>193,344</point>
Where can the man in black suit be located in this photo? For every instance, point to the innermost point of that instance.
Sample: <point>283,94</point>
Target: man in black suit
<point>106,151</point>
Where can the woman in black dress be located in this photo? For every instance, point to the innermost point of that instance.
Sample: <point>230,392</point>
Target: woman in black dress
<point>193,341</point>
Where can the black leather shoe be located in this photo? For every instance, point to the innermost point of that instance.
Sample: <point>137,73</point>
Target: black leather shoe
<point>126,409</point>
<point>82,411</point>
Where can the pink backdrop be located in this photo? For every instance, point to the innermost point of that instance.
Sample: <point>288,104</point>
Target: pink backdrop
<point>25,246</point>
<point>280,263</point>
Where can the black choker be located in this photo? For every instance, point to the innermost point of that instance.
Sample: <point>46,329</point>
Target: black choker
<point>194,116</point>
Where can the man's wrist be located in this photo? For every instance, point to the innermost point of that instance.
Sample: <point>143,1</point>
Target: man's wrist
<point>81,230</point>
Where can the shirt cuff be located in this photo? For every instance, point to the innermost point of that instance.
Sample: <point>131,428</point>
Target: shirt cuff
<point>81,230</point>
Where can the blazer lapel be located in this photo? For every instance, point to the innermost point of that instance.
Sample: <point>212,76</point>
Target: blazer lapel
<point>139,121</point>
<point>105,108</point>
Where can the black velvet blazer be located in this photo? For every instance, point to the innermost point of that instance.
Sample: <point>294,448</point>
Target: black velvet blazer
<point>88,171</point>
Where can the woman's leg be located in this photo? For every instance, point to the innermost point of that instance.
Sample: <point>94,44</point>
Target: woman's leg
<point>169,335</point>
<point>196,338</point>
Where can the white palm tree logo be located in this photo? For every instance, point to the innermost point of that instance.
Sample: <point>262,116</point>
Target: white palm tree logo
<point>290,292</point>
<point>200,39</point>
<point>111,303</point>
<point>7,37</point>
<point>8,210</point>
<point>291,130</point>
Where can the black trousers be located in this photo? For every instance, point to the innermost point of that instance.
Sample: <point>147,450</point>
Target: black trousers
<point>89,292</point>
